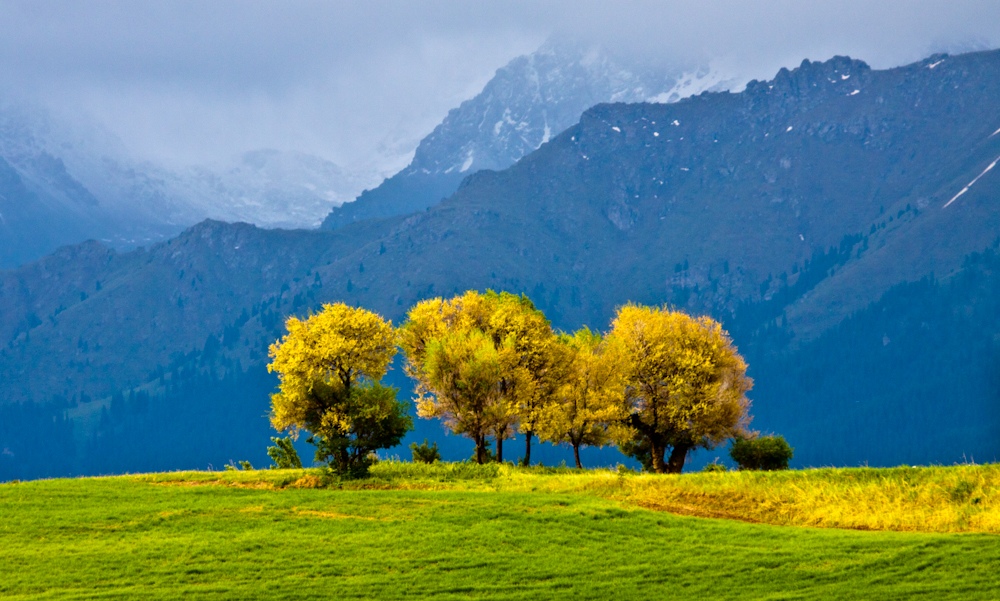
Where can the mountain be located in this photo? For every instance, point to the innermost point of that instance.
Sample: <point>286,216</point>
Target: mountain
<point>65,182</point>
<point>48,196</point>
<point>523,106</point>
<point>828,217</point>
<point>269,188</point>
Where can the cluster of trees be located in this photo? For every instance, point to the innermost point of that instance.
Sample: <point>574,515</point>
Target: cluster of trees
<point>659,384</point>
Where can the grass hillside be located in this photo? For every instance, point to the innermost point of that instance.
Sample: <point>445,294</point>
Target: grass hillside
<point>461,531</point>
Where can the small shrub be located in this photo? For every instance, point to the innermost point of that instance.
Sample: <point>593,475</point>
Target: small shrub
<point>488,455</point>
<point>309,481</point>
<point>715,466</point>
<point>623,469</point>
<point>962,491</point>
<point>284,454</point>
<point>245,465</point>
<point>425,453</point>
<point>761,453</point>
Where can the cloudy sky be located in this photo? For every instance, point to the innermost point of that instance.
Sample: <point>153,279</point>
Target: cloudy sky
<point>360,82</point>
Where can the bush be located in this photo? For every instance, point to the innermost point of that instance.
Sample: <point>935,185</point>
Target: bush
<point>284,454</point>
<point>715,466</point>
<point>761,453</point>
<point>488,455</point>
<point>425,453</point>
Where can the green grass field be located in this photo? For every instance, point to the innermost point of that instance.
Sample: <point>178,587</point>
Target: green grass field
<point>457,531</point>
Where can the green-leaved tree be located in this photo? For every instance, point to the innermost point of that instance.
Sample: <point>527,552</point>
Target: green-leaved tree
<point>329,366</point>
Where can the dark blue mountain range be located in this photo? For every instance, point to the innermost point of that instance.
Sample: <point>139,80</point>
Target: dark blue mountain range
<point>842,222</point>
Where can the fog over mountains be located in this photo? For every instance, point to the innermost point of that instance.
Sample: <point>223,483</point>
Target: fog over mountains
<point>523,106</point>
<point>67,181</point>
<point>841,221</point>
<point>70,180</point>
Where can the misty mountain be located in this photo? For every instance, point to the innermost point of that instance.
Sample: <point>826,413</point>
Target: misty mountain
<point>269,188</point>
<point>827,217</point>
<point>65,182</point>
<point>524,105</point>
<point>49,197</point>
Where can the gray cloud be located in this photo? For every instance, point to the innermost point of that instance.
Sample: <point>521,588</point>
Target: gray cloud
<point>189,80</point>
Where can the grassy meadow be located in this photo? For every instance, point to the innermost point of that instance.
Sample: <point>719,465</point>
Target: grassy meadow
<point>456,531</point>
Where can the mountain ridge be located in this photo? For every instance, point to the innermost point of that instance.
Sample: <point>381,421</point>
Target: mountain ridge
<point>525,104</point>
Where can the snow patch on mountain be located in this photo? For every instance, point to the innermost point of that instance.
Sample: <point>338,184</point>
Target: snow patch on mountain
<point>972,183</point>
<point>536,96</point>
<point>692,83</point>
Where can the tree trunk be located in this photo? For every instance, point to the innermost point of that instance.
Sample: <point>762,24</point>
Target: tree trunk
<point>499,449</point>
<point>480,448</point>
<point>677,456</point>
<point>576,455</point>
<point>656,451</point>
<point>527,448</point>
<point>345,459</point>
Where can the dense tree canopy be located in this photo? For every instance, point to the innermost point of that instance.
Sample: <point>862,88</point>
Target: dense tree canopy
<point>489,363</point>
<point>538,363</point>
<point>588,404</point>
<point>484,362</point>
<point>329,366</point>
<point>685,383</point>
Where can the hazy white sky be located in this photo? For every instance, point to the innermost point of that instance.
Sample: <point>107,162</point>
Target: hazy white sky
<point>194,81</point>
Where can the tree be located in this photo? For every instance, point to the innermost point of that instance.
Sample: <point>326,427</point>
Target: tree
<point>536,364</point>
<point>329,366</point>
<point>483,362</point>
<point>459,378</point>
<point>588,402</point>
<point>686,384</point>
<point>457,367</point>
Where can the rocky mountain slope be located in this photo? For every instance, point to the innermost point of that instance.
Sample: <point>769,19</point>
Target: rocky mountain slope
<point>782,210</point>
<point>525,105</point>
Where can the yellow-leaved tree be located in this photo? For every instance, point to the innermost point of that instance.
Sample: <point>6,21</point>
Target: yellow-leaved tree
<point>483,362</point>
<point>537,363</point>
<point>685,382</point>
<point>588,408</point>
<point>460,376</point>
<point>329,366</point>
